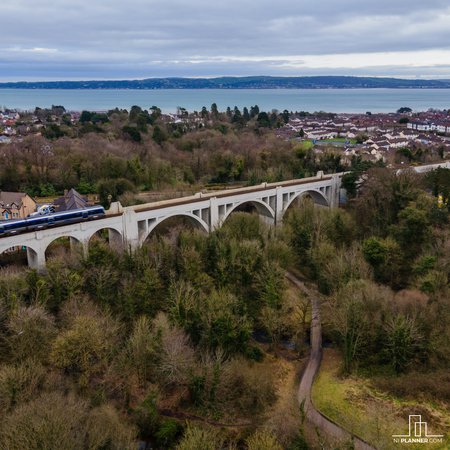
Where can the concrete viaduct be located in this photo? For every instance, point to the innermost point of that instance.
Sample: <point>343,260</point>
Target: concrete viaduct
<point>129,227</point>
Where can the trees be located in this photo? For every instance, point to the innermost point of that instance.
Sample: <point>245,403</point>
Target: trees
<point>349,315</point>
<point>383,194</point>
<point>254,111</point>
<point>31,331</point>
<point>438,181</point>
<point>214,111</point>
<point>402,341</point>
<point>263,120</point>
<point>132,133</point>
<point>215,320</point>
<point>57,422</point>
<point>86,346</point>
<point>85,116</point>
<point>403,110</point>
<point>386,258</point>
<point>412,229</point>
<point>159,136</point>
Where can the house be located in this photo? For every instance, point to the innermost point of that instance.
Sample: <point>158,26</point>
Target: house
<point>420,126</point>
<point>16,205</point>
<point>70,200</point>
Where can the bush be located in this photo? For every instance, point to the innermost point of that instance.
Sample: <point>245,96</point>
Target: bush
<point>246,387</point>
<point>106,429</point>
<point>168,433</point>
<point>176,355</point>
<point>263,440</point>
<point>57,422</point>
<point>141,348</point>
<point>51,422</point>
<point>31,330</point>
<point>146,417</point>
<point>85,347</point>
<point>200,439</point>
<point>19,384</point>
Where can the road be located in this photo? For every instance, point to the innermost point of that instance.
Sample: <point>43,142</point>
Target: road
<point>334,433</point>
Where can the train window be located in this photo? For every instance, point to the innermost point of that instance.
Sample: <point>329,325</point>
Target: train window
<point>14,225</point>
<point>38,221</point>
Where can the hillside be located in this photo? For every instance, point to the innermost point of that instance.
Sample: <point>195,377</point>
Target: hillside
<point>256,82</point>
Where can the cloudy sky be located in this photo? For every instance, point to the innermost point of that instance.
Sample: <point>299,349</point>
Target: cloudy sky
<point>121,39</point>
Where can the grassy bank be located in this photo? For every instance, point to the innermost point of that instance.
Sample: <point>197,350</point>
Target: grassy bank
<point>375,416</point>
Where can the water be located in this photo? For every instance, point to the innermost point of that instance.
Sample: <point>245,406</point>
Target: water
<point>335,100</point>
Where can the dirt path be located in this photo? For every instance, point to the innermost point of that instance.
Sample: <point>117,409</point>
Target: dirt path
<point>333,432</point>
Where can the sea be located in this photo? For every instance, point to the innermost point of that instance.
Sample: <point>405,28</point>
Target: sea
<point>169,100</point>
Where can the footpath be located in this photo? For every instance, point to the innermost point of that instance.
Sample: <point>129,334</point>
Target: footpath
<point>333,433</point>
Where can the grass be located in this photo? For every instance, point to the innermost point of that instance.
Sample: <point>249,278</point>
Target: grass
<point>375,416</point>
<point>336,141</point>
<point>307,145</point>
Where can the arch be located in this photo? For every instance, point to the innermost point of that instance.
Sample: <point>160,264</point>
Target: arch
<point>195,220</point>
<point>4,248</point>
<point>317,197</point>
<point>34,256</point>
<point>262,208</point>
<point>74,241</point>
<point>113,228</point>
<point>115,237</point>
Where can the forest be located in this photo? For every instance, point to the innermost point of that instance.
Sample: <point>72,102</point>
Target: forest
<point>192,341</point>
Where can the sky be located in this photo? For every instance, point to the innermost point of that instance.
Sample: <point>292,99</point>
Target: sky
<point>130,39</point>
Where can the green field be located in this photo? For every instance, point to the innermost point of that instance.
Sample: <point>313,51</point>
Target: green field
<point>339,141</point>
<point>372,415</point>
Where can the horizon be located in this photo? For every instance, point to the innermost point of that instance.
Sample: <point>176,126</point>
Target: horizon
<point>213,77</point>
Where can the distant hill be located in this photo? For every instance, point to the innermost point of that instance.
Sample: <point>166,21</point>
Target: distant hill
<point>259,82</point>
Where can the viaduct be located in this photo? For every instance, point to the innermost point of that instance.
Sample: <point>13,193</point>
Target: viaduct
<point>129,227</point>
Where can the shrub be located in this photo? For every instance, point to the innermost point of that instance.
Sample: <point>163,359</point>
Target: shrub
<point>141,348</point>
<point>106,429</point>
<point>263,440</point>
<point>146,417</point>
<point>19,383</point>
<point>56,422</point>
<point>31,330</point>
<point>246,387</point>
<point>168,433</point>
<point>52,421</point>
<point>85,348</point>
<point>176,355</point>
<point>200,439</point>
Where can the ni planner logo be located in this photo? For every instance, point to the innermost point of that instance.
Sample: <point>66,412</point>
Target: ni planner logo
<point>417,432</point>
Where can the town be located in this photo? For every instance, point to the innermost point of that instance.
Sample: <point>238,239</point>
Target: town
<point>394,138</point>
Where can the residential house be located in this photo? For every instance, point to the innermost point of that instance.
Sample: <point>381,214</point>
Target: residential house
<point>70,200</point>
<point>16,205</point>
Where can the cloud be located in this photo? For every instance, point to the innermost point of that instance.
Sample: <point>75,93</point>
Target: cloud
<point>44,39</point>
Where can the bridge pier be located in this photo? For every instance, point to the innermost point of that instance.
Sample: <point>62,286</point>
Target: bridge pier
<point>36,259</point>
<point>130,239</point>
<point>279,206</point>
<point>335,188</point>
<point>214,220</point>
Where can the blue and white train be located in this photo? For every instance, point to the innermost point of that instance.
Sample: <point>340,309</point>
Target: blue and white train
<point>39,222</point>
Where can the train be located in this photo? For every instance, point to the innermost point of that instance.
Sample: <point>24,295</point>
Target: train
<point>39,222</point>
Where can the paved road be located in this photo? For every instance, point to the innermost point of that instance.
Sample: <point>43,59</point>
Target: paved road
<point>331,430</point>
